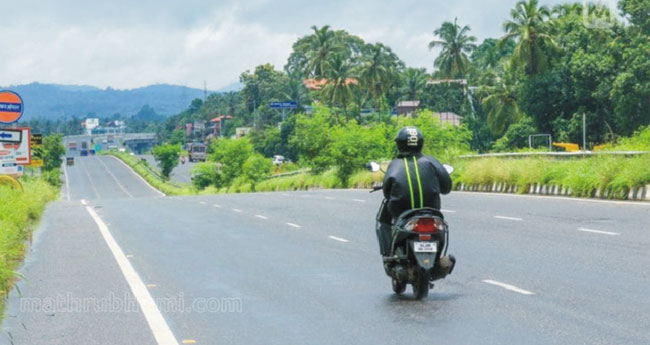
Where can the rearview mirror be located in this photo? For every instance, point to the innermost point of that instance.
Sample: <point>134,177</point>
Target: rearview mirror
<point>373,166</point>
<point>449,168</point>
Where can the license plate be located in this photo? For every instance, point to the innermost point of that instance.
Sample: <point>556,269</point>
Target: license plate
<point>425,247</point>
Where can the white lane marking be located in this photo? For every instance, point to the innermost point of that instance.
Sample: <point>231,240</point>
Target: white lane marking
<point>358,200</point>
<point>84,202</point>
<point>338,239</point>
<point>509,287</point>
<point>140,177</point>
<point>447,211</point>
<point>67,183</point>
<point>637,203</point>
<point>237,210</point>
<point>330,198</point>
<point>114,178</point>
<point>599,232</point>
<point>508,218</point>
<point>261,216</point>
<point>202,202</point>
<point>294,225</point>
<point>157,323</point>
<point>217,206</point>
<point>92,184</point>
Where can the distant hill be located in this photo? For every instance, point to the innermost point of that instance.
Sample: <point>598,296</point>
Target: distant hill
<point>52,101</point>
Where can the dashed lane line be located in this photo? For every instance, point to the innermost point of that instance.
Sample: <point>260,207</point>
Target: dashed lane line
<point>338,239</point>
<point>508,287</point>
<point>508,218</point>
<point>599,232</point>
<point>294,225</point>
<point>114,178</point>
<point>261,216</point>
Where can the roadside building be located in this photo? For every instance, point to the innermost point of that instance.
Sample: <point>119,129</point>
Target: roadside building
<point>407,108</point>
<point>448,118</point>
<point>217,125</point>
<point>316,84</point>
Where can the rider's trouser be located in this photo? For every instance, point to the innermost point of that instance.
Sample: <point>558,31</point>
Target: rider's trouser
<point>383,229</point>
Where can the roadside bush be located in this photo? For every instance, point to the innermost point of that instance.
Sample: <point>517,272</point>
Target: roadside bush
<point>232,154</point>
<point>167,156</point>
<point>256,168</point>
<point>204,175</point>
<point>52,177</point>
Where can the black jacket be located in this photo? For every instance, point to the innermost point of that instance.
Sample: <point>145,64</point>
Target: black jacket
<point>427,182</point>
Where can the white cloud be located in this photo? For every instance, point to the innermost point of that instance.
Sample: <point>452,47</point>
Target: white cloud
<point>127,57</point>
<point>125,44</point>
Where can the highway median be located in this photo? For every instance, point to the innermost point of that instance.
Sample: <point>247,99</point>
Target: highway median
<point>151,176</point>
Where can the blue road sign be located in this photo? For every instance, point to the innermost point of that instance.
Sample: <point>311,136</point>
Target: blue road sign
<point>283,105</point>
<point>11,135</point>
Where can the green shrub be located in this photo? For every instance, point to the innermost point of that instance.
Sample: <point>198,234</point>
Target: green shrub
<point>204,175</point>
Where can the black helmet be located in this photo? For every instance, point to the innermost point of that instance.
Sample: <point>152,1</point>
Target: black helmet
<point>409,140</point>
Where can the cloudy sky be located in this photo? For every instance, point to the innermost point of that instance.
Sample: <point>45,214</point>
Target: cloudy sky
<point>127,44</point>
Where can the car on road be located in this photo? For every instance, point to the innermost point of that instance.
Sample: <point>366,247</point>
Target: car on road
<point>278,160</point>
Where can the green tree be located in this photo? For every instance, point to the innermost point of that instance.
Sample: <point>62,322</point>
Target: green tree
<point>338,90</point>
<point>167,157</point>
<point>321,45</point>
<point>312,137</point>
<point>456,44</point>
<point>378,69</point>
<point>638,13</point>
<point>53,150</point>
<point>231,154</point>
<point>414,81</point>
<point>500,102</point>
<point>353,146</point>
<point>256,168</point>
<point>528,27</point>
<point>205,174</point>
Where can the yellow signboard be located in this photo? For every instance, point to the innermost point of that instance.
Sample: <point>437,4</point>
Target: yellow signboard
<point>37,150</point>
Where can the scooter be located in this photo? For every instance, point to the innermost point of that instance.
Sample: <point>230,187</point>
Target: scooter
<point>418,252</point>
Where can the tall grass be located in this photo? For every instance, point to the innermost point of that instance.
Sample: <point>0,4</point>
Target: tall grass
<point>19,213</point>
<point>613,175</point>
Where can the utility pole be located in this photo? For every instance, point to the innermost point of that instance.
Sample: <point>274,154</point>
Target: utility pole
<point>205,90</point>
<point>584,132</point>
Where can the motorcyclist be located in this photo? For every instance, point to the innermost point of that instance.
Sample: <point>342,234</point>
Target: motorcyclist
<point>412,180</point>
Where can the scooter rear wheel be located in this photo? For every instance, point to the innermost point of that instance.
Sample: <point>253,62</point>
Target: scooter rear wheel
<point>421,285</point>
<point>398,287</point>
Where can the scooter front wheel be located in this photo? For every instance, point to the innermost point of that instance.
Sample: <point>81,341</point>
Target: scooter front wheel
<point>398,287</point>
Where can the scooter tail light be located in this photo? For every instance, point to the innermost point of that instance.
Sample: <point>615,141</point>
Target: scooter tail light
<point>424,225</point>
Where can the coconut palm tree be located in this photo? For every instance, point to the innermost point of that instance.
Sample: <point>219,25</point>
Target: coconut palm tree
<point>338,90</point>
<point>528,27</point>
<point>453,61</point>
<point>499,99</point>
<point>414,80</point>
<point>378,69</point>
<point>319,47</point>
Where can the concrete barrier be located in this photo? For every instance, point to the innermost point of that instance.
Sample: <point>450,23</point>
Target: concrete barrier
<point>636,194</point>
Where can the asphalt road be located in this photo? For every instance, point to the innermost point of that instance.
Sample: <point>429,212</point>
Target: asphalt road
<point>303,268</point>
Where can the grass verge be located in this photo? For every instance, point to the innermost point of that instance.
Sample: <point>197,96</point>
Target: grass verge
<point>19,215</point>
<point>612,175</point>
<point>143,169</point>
